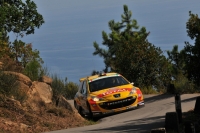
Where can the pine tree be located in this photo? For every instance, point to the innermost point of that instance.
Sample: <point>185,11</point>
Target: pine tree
<point>128,52</point>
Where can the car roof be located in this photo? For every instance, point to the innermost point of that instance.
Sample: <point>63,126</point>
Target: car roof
<point>93,77</point>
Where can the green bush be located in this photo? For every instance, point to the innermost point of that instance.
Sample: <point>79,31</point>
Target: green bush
<point>70,90</point>
<point>58,87</point>
<point>64,88</point>
<point>183,85</point>
<point>9,87</point>
<point>19,95</point>
<point>8,84</point>
<point>34,70</point>
<point>148,90</point>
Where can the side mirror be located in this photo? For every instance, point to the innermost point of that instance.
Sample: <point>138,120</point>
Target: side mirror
<point>132,83</point>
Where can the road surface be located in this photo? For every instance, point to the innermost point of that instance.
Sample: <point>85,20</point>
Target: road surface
<point>140,120</point>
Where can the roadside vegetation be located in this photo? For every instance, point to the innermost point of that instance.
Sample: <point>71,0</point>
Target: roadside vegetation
<point>128,52</point>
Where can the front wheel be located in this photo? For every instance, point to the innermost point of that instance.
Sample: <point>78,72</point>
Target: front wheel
<point>90,112</point>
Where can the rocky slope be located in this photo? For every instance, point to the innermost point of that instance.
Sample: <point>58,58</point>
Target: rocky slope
<point>37,113</point>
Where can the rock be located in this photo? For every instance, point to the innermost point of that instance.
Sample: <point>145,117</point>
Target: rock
<point>46,79</point>
<point>44,90</point>
<point>23,126</point>
<point>62,102</point>
<point>20,77</point>
<point>34,100</point>
<point>23,87</point>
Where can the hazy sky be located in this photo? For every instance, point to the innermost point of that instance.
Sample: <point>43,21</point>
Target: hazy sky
<point>65,40</point>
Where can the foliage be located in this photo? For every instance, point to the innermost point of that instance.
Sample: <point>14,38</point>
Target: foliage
<point>186,63</point>
<point>32,70</point>
<point>149,90</point>
<point>179,74</point>
<point>24,53</point>
<point>183,85</point>
<point>19,17</point>
<point>10,65</point>
<point>70,90</point>
<point>60,87</point>
<point>21,58</point>
<point>8,84</point>
<point>94,72</point>
<point>4,43</point>
<point>9,87</point>
<point>128,52</point>
<point>192,52</point>
<point>174,57</point>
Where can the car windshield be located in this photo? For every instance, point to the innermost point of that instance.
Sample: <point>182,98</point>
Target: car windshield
<point>107,82</point>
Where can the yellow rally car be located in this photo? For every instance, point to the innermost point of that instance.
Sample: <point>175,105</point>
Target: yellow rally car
<point>106,93</point>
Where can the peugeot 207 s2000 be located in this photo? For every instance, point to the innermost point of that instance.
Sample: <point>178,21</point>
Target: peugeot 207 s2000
<point>106,93</point>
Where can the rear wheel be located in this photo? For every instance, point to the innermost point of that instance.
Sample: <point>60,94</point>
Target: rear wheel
<point>75,105</point>
<point>81,112</point>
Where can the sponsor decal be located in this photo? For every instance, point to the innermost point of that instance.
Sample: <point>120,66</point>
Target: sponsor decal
<point>113,90</point>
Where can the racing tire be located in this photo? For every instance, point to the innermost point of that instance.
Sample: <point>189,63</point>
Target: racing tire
<point>80,111</point>
<point>90,115</point>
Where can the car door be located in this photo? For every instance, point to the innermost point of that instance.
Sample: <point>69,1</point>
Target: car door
<point>83,96</point>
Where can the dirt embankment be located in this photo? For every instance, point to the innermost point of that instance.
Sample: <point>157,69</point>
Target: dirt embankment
<point>15,117</point>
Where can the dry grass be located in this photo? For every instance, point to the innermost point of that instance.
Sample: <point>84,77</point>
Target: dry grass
<point>15,118</point>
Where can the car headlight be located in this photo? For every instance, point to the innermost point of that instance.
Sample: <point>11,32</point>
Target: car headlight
<point>96,99</point>
<point>133,91</point>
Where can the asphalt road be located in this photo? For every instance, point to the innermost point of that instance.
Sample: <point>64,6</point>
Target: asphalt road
<point>140,120</point>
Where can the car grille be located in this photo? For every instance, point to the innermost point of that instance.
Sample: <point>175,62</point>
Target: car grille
<point>118,103</point>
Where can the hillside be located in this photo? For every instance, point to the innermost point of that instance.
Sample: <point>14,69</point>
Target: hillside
<point>31,108</point>
<point>15,117</point>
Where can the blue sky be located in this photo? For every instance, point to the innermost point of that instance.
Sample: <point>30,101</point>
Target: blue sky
<point>65,40</point>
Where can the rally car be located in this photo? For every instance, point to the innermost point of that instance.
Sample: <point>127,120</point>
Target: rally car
<point>106,93</point>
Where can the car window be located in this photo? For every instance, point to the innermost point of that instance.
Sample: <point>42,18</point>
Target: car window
<point>80,86</point>
<point>84,88</point>
<point>107,82</point>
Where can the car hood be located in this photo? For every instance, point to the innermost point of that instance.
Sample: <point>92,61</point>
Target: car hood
<point>118,92</point>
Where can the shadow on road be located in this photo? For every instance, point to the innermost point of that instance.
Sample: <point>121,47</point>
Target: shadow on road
<point>140,125</point>
<point>189,99</point>
<point>150,98</point>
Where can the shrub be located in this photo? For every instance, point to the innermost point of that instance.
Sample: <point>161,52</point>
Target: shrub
<point>148,90</point>
<point>64,88</point>
<point>34,70</point>
<point>70,90</point>
<point>58,111</point>
<point>8,84</point>
<point>10,65</point>
<point>58,87</point>
<point>9,87</point>
<point>183,85</point>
